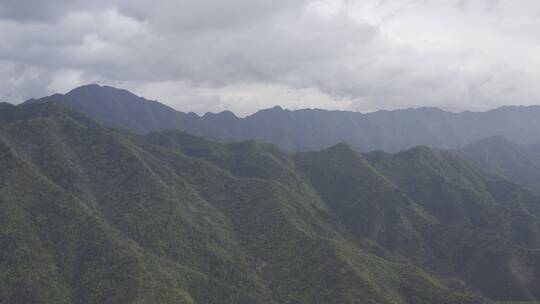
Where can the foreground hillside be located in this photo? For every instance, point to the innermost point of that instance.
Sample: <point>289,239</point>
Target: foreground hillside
<point>95,215</point>
<point>309,129</point>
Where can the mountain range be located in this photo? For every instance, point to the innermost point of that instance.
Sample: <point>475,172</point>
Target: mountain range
<point>309,129</point>
<point>503,142</point>
<point>110,210</point>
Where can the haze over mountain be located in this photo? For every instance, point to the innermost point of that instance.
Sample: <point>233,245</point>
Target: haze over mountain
<point>498,155</point>
<point>95,215</point>
<point>310,129</point>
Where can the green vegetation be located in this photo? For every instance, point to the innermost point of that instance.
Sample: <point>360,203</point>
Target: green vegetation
<point>96,215</point>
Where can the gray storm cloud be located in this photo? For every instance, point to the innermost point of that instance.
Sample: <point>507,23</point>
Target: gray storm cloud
<point>244,55</point>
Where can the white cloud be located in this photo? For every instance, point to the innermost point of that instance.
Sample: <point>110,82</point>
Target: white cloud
<point>245,55</point>
<point>65,80</point>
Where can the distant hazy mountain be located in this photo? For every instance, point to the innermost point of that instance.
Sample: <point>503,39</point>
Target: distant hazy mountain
<point>310,129</point>
<point>122,109</point>
<point>498,155</point>
<point>95,215</point>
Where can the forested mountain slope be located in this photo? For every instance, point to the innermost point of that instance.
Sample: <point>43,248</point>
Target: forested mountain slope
<point>96,215</point>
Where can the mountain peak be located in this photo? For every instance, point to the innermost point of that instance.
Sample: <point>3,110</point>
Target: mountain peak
<point>86,87</point>
<point>100,89</point>
<point>224,114</point>
<point>276,108</point>
<point>270,110</point>
<point>342,147</point>
<point>420,152</point>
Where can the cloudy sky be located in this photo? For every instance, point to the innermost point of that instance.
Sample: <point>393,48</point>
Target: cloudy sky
<point>243,55</point>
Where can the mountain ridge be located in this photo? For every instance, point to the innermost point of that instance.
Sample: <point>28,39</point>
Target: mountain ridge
<point>310,129</point>
<point>97,86</point>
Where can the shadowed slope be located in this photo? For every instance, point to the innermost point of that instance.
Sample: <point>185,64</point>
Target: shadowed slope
<point>498,155</point>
